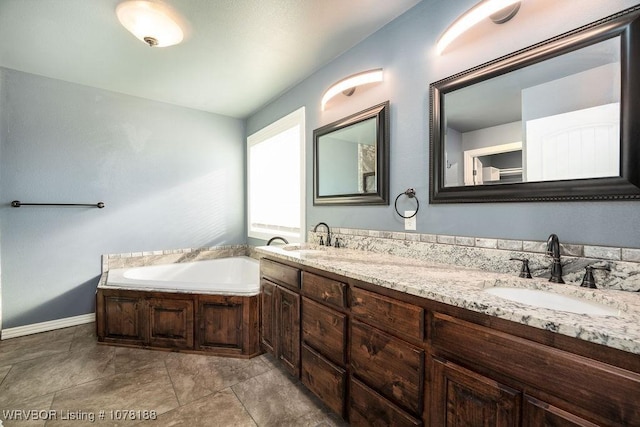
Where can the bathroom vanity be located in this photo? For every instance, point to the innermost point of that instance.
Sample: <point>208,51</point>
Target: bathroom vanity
<point>386,340</point>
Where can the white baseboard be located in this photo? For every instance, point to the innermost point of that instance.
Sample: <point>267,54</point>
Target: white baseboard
<point>51,325</point>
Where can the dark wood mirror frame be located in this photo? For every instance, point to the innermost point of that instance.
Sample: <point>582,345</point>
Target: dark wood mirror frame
<point>381,196</point>
<point>625,24</point>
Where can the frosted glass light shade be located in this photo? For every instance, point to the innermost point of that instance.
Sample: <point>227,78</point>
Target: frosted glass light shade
<point>365,77</point>
<point>481,11</point>
<point>152,23</point>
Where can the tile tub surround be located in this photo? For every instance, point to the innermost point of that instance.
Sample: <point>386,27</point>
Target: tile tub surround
<point>494,254</point>
<point>171,256</point>
<point>463,287</point>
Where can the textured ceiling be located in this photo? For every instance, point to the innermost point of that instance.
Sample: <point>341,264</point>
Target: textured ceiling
<point>238,54</point>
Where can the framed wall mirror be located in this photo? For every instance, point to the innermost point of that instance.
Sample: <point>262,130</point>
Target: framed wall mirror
<point>351,159</point>
<point>559,120</point>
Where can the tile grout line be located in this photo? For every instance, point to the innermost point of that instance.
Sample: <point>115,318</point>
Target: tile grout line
<point>173,386</point>
<point>242,403</point>
<point>7,374</point>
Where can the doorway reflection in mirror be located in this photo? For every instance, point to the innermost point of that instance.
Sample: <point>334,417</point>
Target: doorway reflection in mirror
<point>557,119</point>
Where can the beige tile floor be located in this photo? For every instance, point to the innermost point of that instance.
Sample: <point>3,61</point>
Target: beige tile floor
<point>65,374</point>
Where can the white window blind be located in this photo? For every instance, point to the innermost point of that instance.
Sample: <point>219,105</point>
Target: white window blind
<point>275,179</point>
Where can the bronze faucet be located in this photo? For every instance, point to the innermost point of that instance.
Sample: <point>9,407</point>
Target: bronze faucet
<point>286,242</point>
<point>553,250</point>
<point>322,242</point>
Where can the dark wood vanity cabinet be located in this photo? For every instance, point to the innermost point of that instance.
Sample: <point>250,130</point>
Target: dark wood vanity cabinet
<point>368,408</point>
<point>538,413</point>
<point>388,368</point>
<point>381,357</point>
<point>324,336</point>
<point>512,380</point>
<point>397,317</point>
<point>324,330</point>
<point>460,397</point>
<point>325,379</point>
<point>268,327</point>
<point>288,321</point>
<point>280,313</point>
<point>392,367</point>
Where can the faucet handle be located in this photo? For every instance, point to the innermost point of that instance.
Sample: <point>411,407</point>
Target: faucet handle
<point>337,242</point>
<point>321,241</point>
<point>524,272</point>
<point>588,281</point>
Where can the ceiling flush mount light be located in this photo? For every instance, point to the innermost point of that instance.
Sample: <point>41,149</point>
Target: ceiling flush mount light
<point>348,85</point>
<point>500,11</point>
<point>152,22</point>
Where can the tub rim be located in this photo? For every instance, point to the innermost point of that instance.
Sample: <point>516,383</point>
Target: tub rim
<point>183,287</point>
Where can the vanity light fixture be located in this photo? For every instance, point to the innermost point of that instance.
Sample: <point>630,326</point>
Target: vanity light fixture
<point>151,22</point>
<point>500,11</point>
<point>348,84</point>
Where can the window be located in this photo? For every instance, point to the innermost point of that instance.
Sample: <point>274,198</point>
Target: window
<point>275,179</point>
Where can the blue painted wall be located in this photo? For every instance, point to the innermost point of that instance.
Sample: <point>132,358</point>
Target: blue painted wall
<point>405,48</point>
<point>173,177</point>
<point>170,177</point>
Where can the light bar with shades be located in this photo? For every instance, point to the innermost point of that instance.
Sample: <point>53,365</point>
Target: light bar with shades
<point>499,11</point>
<point>151,22</point>
<point>348,84</point>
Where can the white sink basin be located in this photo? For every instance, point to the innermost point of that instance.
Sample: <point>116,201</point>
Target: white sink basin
<point>305,249</point>
<point>553,301</point>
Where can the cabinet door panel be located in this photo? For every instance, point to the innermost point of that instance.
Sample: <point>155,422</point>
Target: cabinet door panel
<point>325,330</point>
<point>268,324</point>
<point>324,379</point>
<point>221,323</point>
<point>288,318</point>
<point>464,398</point>
<point>538,413</point>
<point>368,408</point>
<point>391,366</point>
<point>171,323</point>
<point>125,319</point>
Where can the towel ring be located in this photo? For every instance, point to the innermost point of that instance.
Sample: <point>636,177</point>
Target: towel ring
<point>410,193</point>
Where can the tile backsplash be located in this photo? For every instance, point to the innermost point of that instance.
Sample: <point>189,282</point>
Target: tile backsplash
<point>494,254</point>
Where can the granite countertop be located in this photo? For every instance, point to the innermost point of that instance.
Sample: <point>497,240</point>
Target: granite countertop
<point>464,287</point>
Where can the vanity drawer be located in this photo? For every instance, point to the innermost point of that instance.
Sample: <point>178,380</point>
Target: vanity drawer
<point>389,314</point>
<point>393,367</point>
<point>368,408</point>
<point>281,274</point>
<point>324,379</point>
<point>325,330</point>
<point>324,290</point>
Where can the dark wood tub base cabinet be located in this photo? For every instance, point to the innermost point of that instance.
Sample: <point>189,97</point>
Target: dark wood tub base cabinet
<point>379,357</point>
<point>218,325</point>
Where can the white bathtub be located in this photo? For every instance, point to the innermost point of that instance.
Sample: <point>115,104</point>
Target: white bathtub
<point>223,276</point>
